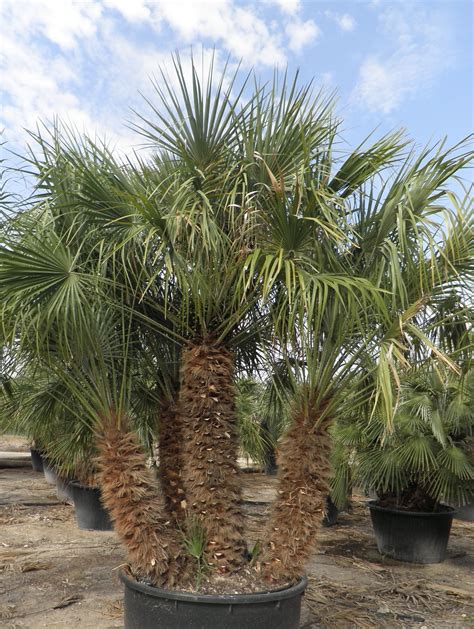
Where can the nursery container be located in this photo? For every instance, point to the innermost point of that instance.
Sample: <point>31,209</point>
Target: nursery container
<point>49,473</point>
<point>412,536</point>
<point>36,460</point>
<point>63,489</point>
<point>90,512</point>
<point>465,512</point>
<point>331,513</point>
<point>149,607</point>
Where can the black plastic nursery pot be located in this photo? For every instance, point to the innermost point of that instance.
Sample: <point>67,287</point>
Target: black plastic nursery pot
<point>63,489</point>
<point>36,460</point>
<point>331,513</point>
<point>411,536</point>
<point>49,473</point>
<point>465,512</point>
<point>90,512</point>
<point>149,607</point>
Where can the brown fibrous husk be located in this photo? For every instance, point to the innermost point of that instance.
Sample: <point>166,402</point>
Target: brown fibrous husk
<point>170,449</point>
<point>304,473</point>
<point>210,470</point>
<point>136,507</point>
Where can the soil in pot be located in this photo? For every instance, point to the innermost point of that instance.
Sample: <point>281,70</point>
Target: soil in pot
<point>147,607</point>
<point>36,460</point>
<point>412,536</point>
<point>90,512</point>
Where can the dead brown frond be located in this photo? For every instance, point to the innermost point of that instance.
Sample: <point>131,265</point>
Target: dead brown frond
<point>31,566</point>
<point>7,611</point>
<point>114,609</point>
<point>334,603</point>
<point>67,601</point>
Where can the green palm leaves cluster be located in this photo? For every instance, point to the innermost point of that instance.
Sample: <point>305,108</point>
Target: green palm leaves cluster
<point>244,225</point>
<point>429,450</point>
<point>247,225</point>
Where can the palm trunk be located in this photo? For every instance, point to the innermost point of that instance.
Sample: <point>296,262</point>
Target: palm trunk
<point>211,474</point>
<point>304,473</point>
<point>170,447</point>
<point>130,494</point>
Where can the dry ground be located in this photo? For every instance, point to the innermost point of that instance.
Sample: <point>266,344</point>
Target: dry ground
<point>54,575</point>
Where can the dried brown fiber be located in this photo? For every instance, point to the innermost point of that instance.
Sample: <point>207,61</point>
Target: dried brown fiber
<point>210,472</point>
<point>304,472</point>
<point>171,461</point>
<point>131,495</point>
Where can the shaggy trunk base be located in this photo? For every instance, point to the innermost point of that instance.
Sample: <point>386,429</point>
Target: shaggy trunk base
<point>211,475</point>
<point>136,508</point>
<point>170,448</point>
<point>304,473</point>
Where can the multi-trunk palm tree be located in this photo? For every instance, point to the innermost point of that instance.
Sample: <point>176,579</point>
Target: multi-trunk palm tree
<point>244,240</point>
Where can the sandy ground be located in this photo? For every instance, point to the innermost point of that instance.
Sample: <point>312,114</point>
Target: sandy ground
<point>54,575</point>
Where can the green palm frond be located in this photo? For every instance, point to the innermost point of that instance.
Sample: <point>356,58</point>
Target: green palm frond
<point>418,453</point>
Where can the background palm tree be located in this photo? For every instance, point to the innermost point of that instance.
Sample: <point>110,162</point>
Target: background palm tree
<point>427,457</point>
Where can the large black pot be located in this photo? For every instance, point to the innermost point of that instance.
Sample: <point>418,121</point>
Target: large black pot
<point>148,607</point>
<point>466,512</point>
<point>63,488</point>
<point>49,473</point>
<point>331,513</point>
<point>411,536</point>
<point>90,512</point>
<point>36,460</point>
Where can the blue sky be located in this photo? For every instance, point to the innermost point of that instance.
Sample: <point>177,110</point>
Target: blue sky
<point>402,63</point>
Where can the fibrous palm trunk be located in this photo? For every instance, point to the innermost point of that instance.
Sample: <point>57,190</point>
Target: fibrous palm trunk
<point>304,473</point>
<point>130,494</point>
<point>170,448</point>
<point>210,471</point>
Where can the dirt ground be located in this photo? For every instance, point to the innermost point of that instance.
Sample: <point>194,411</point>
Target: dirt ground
<point>54,575</point>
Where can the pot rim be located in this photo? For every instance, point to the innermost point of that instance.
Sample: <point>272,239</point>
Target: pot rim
<point>223,599</point>
<point>372,504</point>
<point>65,479</point>
<point>76,483</point>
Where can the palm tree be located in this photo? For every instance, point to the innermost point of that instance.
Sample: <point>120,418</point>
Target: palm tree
<point>243,242</point>
<point>426,458</point>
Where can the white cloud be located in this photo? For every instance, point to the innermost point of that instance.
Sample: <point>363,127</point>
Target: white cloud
<point>345,21</point>
<point>84,61</point>
<point>237,29</point>
<point>41,82</point>
<point>383,86</point>
<point>63,23</point>
<point>300,34</point>
<point>287,6</point>
<point>419,50</point>
<point>327,78</point>
<point>134,11</point>
<point>34,85</point>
